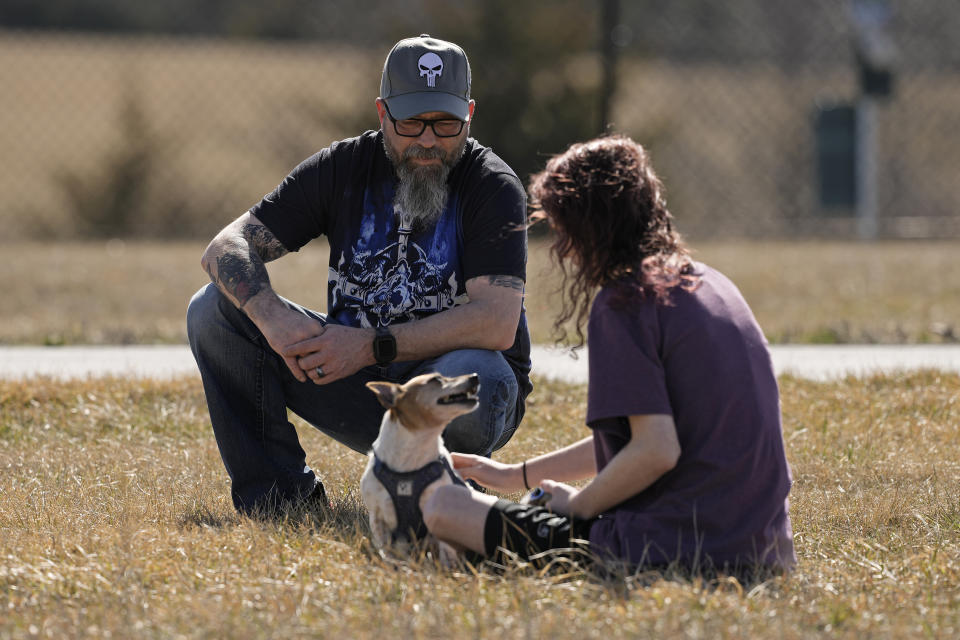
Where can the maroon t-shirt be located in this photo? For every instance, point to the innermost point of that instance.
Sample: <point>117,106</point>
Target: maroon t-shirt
<point>702,359</point>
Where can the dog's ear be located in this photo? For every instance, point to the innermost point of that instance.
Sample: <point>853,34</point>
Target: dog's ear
<point>386,393</point>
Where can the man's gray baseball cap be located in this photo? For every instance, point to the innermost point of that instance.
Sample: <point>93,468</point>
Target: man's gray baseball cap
<point>425,74</point>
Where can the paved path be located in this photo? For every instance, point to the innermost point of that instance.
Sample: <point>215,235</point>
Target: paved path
<point>808,361</point>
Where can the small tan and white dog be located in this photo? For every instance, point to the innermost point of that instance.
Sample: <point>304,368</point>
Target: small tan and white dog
<point>408,460</point>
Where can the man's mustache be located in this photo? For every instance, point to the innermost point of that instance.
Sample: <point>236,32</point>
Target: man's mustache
<point>423,153</point>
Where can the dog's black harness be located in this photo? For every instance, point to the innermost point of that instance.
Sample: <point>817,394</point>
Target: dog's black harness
<point>405,488</point>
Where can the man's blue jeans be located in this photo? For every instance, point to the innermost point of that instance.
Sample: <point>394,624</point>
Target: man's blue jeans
<point>249,390</point>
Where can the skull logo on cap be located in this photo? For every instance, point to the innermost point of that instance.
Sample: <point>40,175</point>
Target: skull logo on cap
<point>431,66</point>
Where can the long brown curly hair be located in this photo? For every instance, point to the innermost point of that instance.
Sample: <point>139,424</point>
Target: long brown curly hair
<point>612,227</point>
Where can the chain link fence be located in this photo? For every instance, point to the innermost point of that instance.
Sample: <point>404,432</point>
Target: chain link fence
<point>171,127</point>
<point>732,98</point>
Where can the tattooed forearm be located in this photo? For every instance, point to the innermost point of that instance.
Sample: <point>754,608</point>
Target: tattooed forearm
<point>263,242</point>
<point>241,277</point>
<point>236,263</point>
<point>235,259</point>
<point>511,282</point>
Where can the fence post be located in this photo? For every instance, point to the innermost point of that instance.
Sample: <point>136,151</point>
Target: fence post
<point>866,168</point>
<point>875,55</point>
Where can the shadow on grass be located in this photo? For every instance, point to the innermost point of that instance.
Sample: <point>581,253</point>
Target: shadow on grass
<point>201,516</point>
<point>344,519</point>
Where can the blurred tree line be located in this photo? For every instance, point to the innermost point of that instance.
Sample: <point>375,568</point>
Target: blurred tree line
<point>235,18</point>
<point>534,63</point>
<point>542,69</point>
<point>730,32</point>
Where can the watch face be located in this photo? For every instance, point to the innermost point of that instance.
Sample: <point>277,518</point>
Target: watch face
<point>384,348</point>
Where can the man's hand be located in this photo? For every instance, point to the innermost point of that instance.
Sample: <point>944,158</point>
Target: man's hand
<point>283,327</point>
<point>491,474</point>
<point>235,261</point>
<point>339,351</point>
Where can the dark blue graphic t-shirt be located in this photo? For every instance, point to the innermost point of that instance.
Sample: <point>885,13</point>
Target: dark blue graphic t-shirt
<point>388,270</point>
<point>385,270</point>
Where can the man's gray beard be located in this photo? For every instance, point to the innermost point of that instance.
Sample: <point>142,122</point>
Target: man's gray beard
<point>422,192</point>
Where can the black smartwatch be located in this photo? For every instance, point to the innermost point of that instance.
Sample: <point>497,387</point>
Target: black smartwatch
<point>384,346</point>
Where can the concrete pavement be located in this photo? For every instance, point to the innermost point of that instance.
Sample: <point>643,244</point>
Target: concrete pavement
<point>819,362</point>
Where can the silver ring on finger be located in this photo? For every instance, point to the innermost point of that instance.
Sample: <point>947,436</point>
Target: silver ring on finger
<point>320,372</point>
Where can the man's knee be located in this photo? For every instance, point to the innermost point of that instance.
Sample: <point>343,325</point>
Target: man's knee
<point>202,310</point>
<point>498,382</point>
<point>489,426</point>
<point>480,361</point>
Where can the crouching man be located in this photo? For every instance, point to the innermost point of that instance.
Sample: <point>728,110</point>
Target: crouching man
<point>427,239</point>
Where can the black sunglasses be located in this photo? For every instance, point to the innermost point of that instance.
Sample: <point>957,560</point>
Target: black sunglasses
<point>414,127</point>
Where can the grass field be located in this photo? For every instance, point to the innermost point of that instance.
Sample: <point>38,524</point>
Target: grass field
<point>115,522</point>
<point>831,292</point>
<point>114,512</point>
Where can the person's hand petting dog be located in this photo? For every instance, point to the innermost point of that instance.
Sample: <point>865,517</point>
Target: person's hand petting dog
<point>508,478</point>
<point>505,478</point>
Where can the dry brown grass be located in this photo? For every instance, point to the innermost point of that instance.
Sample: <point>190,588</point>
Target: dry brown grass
<point>115,521</point>
<point>890,292</point>
<point>110,293</point>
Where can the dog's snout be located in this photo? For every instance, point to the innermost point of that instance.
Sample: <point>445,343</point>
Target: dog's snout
<point>474,380</point>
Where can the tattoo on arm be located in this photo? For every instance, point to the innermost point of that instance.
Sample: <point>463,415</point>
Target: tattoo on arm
<point>511,282</point>
<point>263,242</point>
<point>244,276</point>
<point>241,276</point>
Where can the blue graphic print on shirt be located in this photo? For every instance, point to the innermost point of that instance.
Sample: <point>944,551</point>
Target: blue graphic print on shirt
<point>386,270</point>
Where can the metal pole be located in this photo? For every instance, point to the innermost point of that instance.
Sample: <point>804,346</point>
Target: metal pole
<point>866,167</point>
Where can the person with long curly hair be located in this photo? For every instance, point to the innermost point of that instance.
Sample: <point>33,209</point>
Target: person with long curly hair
<point>686,454</point>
